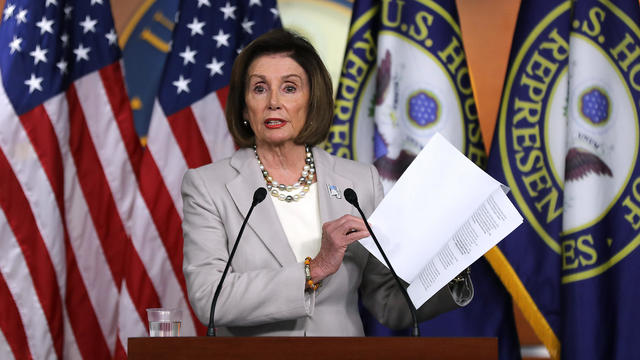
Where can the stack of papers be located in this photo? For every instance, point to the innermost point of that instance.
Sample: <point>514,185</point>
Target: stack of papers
<point>441,216</point>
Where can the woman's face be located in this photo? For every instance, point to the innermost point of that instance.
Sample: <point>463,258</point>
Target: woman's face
<point>277,99</point>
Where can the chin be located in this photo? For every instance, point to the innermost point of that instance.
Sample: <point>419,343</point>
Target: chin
<point>278,140</point>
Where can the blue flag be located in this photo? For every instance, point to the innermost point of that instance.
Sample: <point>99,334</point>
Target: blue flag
<point>146,43</point>
<point>566,142</point>
<point>404,78</point>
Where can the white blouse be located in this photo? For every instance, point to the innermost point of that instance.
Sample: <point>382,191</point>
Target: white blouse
<point>301,222</point>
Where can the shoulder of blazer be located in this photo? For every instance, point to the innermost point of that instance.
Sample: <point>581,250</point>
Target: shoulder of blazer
<point>227,168</point>
<point>345,167</point>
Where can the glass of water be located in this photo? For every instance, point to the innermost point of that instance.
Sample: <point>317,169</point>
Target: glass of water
<point>164,322</point>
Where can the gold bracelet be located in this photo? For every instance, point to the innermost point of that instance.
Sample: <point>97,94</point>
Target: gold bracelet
<point>307,273</point>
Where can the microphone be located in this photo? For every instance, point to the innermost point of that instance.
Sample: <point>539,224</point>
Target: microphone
<point>258,196</point>
<point>352,198</point>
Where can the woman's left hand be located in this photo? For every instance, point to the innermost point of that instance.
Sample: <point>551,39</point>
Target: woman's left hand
<point>336,236</point>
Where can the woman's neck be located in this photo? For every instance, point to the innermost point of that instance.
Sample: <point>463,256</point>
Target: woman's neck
<point>283,162</point>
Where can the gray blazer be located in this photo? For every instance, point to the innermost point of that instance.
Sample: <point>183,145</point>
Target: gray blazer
<point>263,293</point>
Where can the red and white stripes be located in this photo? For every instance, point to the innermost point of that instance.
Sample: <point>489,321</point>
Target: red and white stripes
<point>192,137</point>
<point>90,225</point>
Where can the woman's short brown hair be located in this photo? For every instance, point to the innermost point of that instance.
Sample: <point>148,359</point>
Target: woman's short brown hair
<point>320,111</point>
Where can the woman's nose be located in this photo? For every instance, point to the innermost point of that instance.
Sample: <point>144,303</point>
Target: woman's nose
<point>274,100</point>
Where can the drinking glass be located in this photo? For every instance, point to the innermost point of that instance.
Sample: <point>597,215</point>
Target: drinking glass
<point>164,322</point>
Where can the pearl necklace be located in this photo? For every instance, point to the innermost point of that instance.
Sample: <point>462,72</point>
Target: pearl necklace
<point>306,179</point>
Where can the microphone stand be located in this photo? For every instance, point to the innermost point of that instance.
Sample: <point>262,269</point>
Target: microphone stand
<point>352,198</point>
<point>258,196</point>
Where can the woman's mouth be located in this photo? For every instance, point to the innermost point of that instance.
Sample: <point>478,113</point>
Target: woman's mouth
<point>274,123</point>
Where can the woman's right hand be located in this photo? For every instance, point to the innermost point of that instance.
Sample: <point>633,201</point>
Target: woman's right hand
<point>336,236</point>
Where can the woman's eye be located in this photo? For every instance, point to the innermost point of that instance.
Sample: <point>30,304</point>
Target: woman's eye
<point>259,89</point>
<point>289,88</point>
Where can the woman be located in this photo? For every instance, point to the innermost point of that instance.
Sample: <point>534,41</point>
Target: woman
<point>298,269</point>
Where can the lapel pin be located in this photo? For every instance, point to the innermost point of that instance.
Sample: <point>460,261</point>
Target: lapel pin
<point>334,191</point>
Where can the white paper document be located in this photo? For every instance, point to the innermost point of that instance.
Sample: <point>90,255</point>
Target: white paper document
<point>441,216</point>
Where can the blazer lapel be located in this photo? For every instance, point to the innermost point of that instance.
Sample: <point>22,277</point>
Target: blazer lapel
<point>331,206</point>
<point>264,219</point>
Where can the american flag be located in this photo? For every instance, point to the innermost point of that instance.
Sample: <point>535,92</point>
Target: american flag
<point>89,224</point>
<point>68,155</point>
<point>188,117</point>
<point>188,127</point>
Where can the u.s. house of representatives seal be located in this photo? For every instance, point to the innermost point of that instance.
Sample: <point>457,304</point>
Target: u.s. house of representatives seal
<point>569,136</point>
<point>404,78</point>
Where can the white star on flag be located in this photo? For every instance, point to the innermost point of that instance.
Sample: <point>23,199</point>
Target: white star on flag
<point>39,55</point>
<point>182,84</point>
<point>65,39</point>
<point>51,2</point>
<point>45,25</point>
<point>215,67</point>
<point>255,2</point>
<point>9,11</point>
<point>88,24</point>
<point>62,65</point>
<point>67,11</point>
<point>111,36</point>
<point>93,2</point>
<point>82,53</point>
<point>22,16</point>
<point>204,2</point>
<point>246,25</point>
<point>275,12</point>
<point>35,83</point>
<point>196,27</point>
<point>15,45</point>
<point>229,11</point>
<point>188,55</point>
<point>221,39</point>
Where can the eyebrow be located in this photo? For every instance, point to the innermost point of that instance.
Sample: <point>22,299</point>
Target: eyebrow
<point>285,77</point>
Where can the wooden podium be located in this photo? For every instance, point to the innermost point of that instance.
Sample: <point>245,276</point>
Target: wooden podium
<point>306,348</point>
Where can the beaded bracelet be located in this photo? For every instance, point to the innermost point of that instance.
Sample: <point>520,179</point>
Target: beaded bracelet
<point>307,273</point>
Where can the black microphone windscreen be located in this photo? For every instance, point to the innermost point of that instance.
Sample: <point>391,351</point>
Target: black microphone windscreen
<point>351,196</point>
<point>259,195</point>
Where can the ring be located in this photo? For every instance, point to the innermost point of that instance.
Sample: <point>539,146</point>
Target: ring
<point>352,230</point>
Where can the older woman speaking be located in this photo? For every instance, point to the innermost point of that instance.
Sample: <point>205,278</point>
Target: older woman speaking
<point>299,270</point>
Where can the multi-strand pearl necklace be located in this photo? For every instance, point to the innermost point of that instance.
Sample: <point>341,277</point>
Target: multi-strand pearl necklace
<point>306,179</point>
